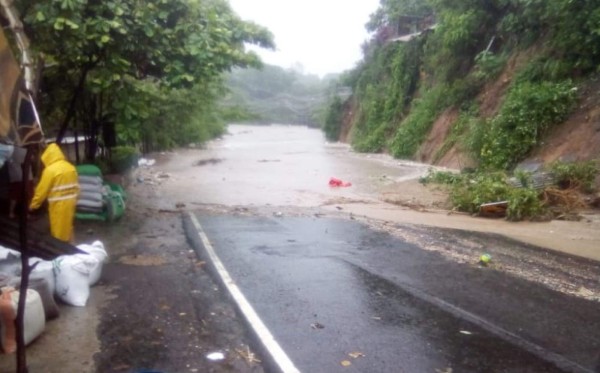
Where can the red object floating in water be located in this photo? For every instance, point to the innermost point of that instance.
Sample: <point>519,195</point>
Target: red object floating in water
<point>333,182</point>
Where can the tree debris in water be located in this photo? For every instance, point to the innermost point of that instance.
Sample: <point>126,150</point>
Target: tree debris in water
<point>204,162</point>
<point>317,325</point>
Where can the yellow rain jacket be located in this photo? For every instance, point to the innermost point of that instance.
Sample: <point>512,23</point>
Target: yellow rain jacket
<point>59,184</point>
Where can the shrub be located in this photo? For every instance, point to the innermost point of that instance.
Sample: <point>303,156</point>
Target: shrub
<point>527,113</point>
<point>524,203</point>
<point>576,175</point>
<point>469,191</point>
<point>333,119</point>
<point>373,142</point>
<point>123,158</point>
<point>474,191</point>
<point>413,130</point>
<point>488,65</point>
<point>441,177</point>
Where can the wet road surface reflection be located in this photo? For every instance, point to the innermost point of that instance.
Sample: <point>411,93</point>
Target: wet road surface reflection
<point>431,338</point>
<point>323,288</point>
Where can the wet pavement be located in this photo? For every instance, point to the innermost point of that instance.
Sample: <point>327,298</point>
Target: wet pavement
<point>328,288</point>
<point>342,289</point>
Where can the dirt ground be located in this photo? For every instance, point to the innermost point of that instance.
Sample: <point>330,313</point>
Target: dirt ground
<point>428,205</point>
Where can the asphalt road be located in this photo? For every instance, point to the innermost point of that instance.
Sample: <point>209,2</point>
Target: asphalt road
<point>340,297</point>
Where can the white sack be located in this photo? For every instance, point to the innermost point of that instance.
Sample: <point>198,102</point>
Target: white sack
<point>97,251</point>
<point>72,277</point>
<point>90,196</point>
<point>44,270</point>
<point>5,252</point>
<point>91,210</point>
<point>91,188</point>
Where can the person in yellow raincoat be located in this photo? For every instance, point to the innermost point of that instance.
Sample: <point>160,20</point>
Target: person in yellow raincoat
<point>59,184</point>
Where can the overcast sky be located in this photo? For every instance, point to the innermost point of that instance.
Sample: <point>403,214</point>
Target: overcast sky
<point>324,36</point>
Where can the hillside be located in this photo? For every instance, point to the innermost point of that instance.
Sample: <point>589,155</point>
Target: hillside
<point>477,84</point>
<point>575,139</point>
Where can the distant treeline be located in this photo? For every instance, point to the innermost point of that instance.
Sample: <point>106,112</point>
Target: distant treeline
<point>276,95</point>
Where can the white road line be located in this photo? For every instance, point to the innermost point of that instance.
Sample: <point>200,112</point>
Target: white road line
<point>274,349</point>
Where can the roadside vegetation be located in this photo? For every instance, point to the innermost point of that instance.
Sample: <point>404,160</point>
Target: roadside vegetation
<point>561,189</point>
<point>405,83</point>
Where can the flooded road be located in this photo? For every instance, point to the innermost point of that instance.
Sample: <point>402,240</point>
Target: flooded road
<point>292,165</point>
<point>283,166</point>
<point>327,287</point>
<point>343,280</point>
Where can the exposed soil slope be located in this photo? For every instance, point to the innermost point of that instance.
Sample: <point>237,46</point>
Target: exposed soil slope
<point>578,138</point>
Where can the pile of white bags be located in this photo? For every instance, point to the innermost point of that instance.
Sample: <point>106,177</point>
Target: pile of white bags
<point>67,277</point>
<point>92,192</point>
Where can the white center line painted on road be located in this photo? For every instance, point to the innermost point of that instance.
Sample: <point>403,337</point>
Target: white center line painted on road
<point>264,335</point>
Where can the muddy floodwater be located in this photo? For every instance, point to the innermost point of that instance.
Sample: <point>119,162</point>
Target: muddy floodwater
<point>291,166</point>
<point>284,166</point>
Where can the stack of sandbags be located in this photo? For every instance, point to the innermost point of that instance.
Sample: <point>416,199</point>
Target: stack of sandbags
<point>92,192</point>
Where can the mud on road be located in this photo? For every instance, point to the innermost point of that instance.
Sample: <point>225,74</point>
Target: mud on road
<point>168,313</point>
<point>165,312</point>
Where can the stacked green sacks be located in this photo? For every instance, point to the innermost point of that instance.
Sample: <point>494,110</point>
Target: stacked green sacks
<point>98,199</point>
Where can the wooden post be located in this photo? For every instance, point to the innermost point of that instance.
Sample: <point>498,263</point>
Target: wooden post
<point>25,268</point>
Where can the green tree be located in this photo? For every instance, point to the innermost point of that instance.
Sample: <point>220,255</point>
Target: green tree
<point>96,51</point>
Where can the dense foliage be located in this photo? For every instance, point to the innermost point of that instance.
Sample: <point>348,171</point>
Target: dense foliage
<point>528,111</point>
<point>403,85</point>
<point>333,118</point>
<point>151,68</point>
